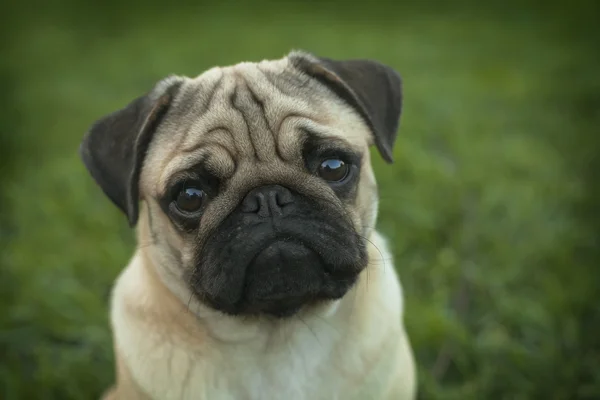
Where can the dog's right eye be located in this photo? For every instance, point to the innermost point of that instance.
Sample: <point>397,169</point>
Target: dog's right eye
<point>190,199</point>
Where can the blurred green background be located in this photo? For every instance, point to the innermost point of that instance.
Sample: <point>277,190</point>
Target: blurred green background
<point>492,205</point>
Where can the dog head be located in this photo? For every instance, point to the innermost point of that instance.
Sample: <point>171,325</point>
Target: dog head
<point>256,181</point>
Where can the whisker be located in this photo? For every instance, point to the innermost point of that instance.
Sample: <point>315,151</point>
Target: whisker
<point>189,302</point>
<point>309,328</point>
<point>326,322</point>
<point>381,257</point>
<point>145,245</point>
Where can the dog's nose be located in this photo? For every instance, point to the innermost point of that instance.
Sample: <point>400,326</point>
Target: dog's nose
<point>267,200</point>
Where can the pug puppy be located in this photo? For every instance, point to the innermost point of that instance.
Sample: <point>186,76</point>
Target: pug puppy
<point>258,272</point>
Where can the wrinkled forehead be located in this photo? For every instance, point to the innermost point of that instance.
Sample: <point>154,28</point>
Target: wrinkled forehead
<point>250,114</point>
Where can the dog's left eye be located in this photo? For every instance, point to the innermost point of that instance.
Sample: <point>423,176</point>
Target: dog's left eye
<point>333,170</point>
<point>190,199</point>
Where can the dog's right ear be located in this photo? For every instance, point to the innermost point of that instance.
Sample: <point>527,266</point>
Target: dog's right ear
<point>113,149</point>
<point>373,89</point>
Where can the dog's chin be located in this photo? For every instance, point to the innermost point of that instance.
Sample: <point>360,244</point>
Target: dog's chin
<point>284,278</point>
<point>281,279</point>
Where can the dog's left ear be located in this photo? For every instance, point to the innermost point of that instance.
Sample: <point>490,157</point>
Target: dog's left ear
<point>373,89</point>
<point>113,149</point>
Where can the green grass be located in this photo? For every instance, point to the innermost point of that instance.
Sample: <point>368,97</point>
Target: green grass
<point>486,206</point>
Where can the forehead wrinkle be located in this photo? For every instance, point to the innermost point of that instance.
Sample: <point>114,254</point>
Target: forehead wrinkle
<point>285,78</point>
<point>223,137</point>
<point>276,115</point>
<point>211,135</point>
<point>180,163</point>
<point>221,120</point>
<point>186,107</point>
<point>294,132</point>
<point>197,94</point>
<point>328,136</point>
<point>263,94</point>
<point>194,101</point>
<point>219,161</point>
<point>213,157</point>
<point>252,109</point>
<point>205,105</point>
<point>172,156</point>
<point>229,113</point>
<point>281,104</point>
<point>276,107</point>
<point>267,75</point>
<point>247,146</point>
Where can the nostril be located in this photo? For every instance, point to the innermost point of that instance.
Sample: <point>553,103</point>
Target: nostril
<point>284,197</point>
<point>274,205</point>
<point>263,206</point>
<point>251,204</point>
<point>267,200</point>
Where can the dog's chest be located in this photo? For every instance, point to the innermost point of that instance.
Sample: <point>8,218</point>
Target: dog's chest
<point>302,368</point>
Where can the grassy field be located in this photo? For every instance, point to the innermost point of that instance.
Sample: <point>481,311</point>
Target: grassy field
<point>491,205</point>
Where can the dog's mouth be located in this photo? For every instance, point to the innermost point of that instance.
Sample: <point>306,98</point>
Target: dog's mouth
<point>285,276</point>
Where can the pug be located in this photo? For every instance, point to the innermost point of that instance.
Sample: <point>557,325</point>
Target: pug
<point>258,272</point>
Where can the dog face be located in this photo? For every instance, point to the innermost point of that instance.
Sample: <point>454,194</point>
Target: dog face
<point>256,180</point>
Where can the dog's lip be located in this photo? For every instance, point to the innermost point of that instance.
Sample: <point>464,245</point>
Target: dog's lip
<point>287,311</point>
<point>339,276</point>
<point>282,239</point>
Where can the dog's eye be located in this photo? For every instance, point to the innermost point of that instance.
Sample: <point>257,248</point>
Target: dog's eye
<point>333,170</point>
<point>190,199</point>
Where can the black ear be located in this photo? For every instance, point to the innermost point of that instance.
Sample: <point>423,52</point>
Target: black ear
<point>113,149</point>
<point>373,89</point>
